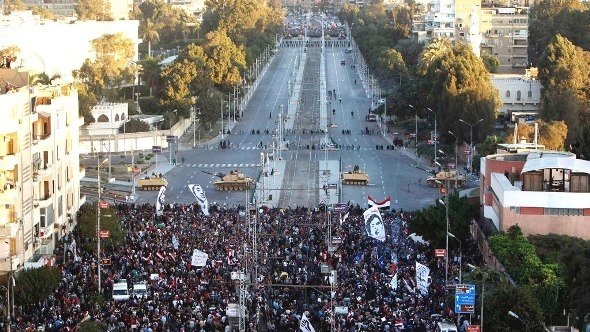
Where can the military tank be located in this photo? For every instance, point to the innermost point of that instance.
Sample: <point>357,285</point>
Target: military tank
<point>356,177</point>
<point>232,181</point>
<point>439,179</point>
<point>151,183</point>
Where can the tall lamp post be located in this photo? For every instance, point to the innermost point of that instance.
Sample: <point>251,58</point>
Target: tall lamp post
<point>221,111</point>
<point>446,204</point>
<point>460,256</point>
<point>435,135</point>
<point>456,152</point>
<point>470,159</point>
<point>416,133</point>
<point>98,225</point>
<point>513,314</point>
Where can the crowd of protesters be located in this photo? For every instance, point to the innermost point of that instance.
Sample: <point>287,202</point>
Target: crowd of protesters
<point>292,251</point>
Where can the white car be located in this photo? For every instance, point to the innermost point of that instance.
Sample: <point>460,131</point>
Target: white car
<point>120,291</point>
<point>140,290</point>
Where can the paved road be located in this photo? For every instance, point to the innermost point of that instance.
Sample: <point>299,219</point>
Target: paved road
<point>391,173</point>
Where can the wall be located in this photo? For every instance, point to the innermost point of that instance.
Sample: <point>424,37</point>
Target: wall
<point>131,141</point>
<point>515,83</point>
<point>577,226</point>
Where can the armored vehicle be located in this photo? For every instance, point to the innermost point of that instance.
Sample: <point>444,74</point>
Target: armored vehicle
<point>356,177</point>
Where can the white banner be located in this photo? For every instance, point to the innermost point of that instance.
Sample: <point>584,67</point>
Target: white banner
<point>393,282</point>
<point>199,258</point>
<point>200,196</point>
<point>343,219</point>
<point>422,273</point>
<point>160,201</point>
<point>175,242</point>
<point>374,223</point>
<point>305,324</point>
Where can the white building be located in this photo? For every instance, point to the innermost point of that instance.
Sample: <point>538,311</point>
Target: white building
<point>520,94</point>
<point>39,39</point>
<point>108,118</point>
<point>67,8</point>
<point>192,7</point>
<point>39,168</point>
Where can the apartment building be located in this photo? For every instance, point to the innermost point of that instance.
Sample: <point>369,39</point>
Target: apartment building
<point>67,8</point>
<point>505,35</point>
<point>38,40</point>
<point>542,191</point>
<point>39,167</point>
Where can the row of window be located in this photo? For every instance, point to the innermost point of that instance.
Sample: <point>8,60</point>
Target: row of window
<point>555,211</point>
<point>519,94</point>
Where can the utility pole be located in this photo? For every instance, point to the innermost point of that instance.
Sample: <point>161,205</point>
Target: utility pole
<point>98,226</point>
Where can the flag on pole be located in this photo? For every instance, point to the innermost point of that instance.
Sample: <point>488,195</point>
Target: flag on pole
<point>374,223</point>
<point>393,282</point>
<point>343,219</point>
<point>305,324</point>
<point>422,273</point>
<point>201,198</point>
<point>386,203</point>
<point>160,201</point>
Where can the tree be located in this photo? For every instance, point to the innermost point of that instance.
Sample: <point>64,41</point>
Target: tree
<point>563,72</point>
<point>99,10</point>
<point>177,78</point>
<point>575,264</point>
<point>13,5</point>
<point>86,101</point>
<point>87,219</point>
<point>581,144</point>
<point>519,300</point>
<point>43,78</point>
<point>149,69</point>
<point>44,13</point>
<point>489,145</point>
<point>491,62</point>
<point>134,126</point>
<point>34,285</point>
<point>112,65</point>
<point>224,58</point>
<point>8,55</point>
<point>150,33</point>
<point>453,81</point>
<point>543,26</point>
<point>552,135</point>
<point>430,222</point>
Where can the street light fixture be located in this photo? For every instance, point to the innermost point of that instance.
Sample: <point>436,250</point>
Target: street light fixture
<point>435,135</point>
<point>221,111</point>
<point>98,224</point>
<point>456,164</point>
<point>460,255</point>
<point>470,159</point>
<point>416,133</point>
<point>513,314</point>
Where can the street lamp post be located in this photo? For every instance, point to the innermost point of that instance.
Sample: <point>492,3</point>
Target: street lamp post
<point>221,111</point>
<point>98,225</point>
<point>470,159</point>
<point>460,256</point>
<point>435,135</point>
<point>513,314</point>
<point>446,204</point>
<point>456,152</point>
<point>416,133</point>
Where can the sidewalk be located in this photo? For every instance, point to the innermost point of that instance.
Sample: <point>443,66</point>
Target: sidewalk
<point>408,153</point>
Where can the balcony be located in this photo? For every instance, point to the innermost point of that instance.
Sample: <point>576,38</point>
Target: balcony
<point>40,138</point>
<point>45,170</point>
<point>8,162</point>
<point>43,201</point>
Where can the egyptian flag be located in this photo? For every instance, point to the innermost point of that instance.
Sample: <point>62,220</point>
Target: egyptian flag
<point>385,204</point>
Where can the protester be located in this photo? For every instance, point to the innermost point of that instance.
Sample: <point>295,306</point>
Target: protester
<point>292,251</point>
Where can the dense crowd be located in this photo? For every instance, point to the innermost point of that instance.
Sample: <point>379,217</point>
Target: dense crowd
<point>292,251</point>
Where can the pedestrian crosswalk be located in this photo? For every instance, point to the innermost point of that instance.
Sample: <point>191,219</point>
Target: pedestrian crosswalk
<point>220,165</point>
<point>304,147</point>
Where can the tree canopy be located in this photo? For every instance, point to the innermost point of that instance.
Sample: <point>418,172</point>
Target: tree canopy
<point>552,135</point>
<point>454,82</point>
<point>99,10</point>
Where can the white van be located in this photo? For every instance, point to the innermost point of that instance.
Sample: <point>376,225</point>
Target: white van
<point>120,291</point>
<point>140,290</point>
<point>446,326</point>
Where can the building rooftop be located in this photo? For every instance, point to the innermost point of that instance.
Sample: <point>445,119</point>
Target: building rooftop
<point>575,165</point>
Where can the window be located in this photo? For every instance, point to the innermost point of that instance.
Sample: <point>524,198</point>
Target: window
<point>60,207</point>
<point>563,212</point>
<point>518,95</point>
<point>507,93</point>
<point>530,94</point>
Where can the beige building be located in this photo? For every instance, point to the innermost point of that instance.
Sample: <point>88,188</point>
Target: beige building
<point>67,8</point>
<point>39,168</point>
<point>505,35</point>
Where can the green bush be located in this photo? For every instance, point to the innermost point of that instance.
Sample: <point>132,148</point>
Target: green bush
<point>33,285</point>
<point>148,157</point>
<point>140,161</point>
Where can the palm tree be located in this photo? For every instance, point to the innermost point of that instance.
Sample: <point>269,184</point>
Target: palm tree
<point>42,78</point>
<point>150,33</point>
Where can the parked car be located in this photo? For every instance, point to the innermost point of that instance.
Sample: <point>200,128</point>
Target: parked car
<point>140,290</point>
<point>120,291</point>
